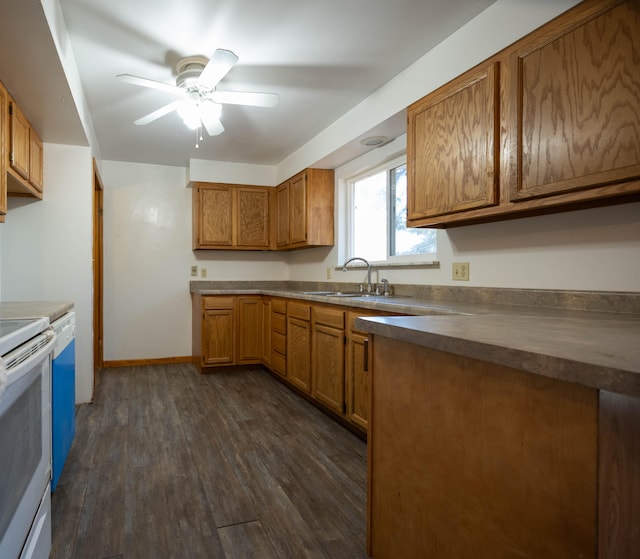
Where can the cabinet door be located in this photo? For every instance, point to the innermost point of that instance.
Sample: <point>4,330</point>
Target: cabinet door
<point>453,139</point>
<point>298,209</point>
<point>299,353</point>
<point>328,367</point>
<point>215,216</point>
<point>249,318</point>
<point>252,219</point>
<point>35,160</point>
<point>282,205</point>
<point>575,103</point>
<point>218,337</point>
<point>357,380</point>
<point>19,141</point>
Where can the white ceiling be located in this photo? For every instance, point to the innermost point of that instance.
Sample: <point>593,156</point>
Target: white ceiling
<point>321,57</point>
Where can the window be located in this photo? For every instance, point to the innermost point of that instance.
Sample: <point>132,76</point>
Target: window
<point>378,218</point>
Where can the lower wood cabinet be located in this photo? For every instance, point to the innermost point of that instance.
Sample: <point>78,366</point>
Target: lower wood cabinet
<point>299,345</point>
<point>227,330</point>
<point>218,331</point>
<point>249,314</point>
<point>357,374</point>
<point>328,357</point>
<point>279,337</point>
<point>467,458</point>
<point>315,348</point>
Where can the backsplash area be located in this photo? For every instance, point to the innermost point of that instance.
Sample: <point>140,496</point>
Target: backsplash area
<point>596,301</point>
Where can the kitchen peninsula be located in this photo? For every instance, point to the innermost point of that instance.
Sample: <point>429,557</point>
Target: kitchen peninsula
<point>507,420</point>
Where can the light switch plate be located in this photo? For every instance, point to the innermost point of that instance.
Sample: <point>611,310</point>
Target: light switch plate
<point>460,271</point>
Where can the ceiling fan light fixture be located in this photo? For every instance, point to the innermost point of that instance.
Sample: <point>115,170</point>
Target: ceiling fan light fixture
<point>188,112</point>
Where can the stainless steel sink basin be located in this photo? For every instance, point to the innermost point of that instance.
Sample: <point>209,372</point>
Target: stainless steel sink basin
<point>348,294</point>
<point>334,293</point>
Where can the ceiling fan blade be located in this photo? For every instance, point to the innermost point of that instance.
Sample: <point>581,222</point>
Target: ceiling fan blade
<point>220,63</point>
<point>144,82</point>
<point>245,98</point>
<point>157,113</point>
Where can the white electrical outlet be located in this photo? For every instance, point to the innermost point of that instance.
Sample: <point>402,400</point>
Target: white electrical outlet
<point>194,271</point>
<point>203,272</point>
<point>460,271</point>
<point>328,272</point>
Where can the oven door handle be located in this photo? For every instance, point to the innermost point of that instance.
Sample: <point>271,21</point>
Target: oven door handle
<point>21,359</point>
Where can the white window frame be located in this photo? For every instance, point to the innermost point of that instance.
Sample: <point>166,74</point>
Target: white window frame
<point>387,165</point>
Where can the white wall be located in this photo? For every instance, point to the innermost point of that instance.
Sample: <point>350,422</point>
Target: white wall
<point>46,248</point>
<point>148,257</point>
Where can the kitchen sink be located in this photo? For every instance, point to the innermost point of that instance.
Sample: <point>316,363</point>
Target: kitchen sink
<point>348,294</point>
<point>335,293</point>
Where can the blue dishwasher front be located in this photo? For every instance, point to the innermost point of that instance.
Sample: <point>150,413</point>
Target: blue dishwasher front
<point>63,394</point>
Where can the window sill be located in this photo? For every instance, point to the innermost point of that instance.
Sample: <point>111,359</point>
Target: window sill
<point>389,265</point>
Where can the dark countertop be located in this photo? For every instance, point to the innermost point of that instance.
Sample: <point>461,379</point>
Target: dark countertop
<point>34,309</point>
<point>598,349</point>
<point>601,351</point>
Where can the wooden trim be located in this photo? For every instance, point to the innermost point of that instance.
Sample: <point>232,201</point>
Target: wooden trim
<point>141,362</point>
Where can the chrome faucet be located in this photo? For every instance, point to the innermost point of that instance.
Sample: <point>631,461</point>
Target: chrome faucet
<point>344,269</point>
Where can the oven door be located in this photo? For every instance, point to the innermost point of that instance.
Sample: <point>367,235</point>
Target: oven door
<point>25,440</point>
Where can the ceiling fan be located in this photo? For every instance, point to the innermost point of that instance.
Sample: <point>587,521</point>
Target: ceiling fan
<point>199,102</point>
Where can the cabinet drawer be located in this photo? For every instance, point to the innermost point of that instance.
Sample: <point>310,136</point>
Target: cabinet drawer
<point>279,306</point>
<point>278,363</point>
<point>329,317</point>
<point>279,343</point>
<point>299,310</point>
<point>279,323</point>
<point>218,302</point>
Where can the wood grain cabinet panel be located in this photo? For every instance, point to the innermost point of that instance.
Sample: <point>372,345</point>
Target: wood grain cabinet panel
<point>299,345</point>
<point>36,170</point>
<point>19,156</point>
<point>218,332</point>
<point>356,373</point>
<point>249,313</point>
<point>619,476</point>
<point>279,337</point>
<point>472,459</point>
<point>227,216</point>
<point>561,129</point>
<point>214,216</point>
<point>227,330</point>
<point>252,217</point>
<point>305,210</point>
<point>452,150</point>
<point>328,354</point>
<point>576,103</point>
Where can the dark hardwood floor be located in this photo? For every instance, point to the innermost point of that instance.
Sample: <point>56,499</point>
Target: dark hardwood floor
<point>168,463</point>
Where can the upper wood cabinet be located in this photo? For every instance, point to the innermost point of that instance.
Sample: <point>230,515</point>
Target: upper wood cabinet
<point>305,210</point>
<point>36,171</point>
<point>575,102</point>
<point>227,216</point>
<point>452,152</point>
<point>23,153</point>
<point>549,124</point>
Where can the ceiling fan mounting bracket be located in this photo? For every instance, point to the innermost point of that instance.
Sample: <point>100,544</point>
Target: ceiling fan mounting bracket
<point>188,70</point>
